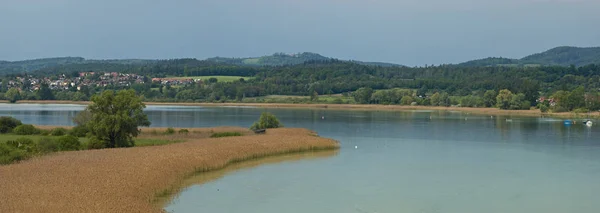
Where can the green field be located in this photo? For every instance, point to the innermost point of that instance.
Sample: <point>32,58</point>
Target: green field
<point>218,77</point>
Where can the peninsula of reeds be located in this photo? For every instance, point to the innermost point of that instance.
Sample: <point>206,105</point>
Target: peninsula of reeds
<point>132,179</point>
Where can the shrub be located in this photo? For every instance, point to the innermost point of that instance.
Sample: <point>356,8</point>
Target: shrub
<point>9,154</point>
<point>44,132</point>
<point>69,143</point>
<point>24,144</point>
<point>58,132</point>
<point>79,131</point>
<point>25,129</point>
<point>266,121</point>
<point>94,143</point>
<point>225,134</point>
<point>7,124</point>
<point>170,131</point>
<point>184,131</point>
<point>581,110</point>
<point>47,145</point>
<point>543,108</point>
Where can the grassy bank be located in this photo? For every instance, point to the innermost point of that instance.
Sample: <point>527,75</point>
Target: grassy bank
<point>130,179</point>
<point>370,107</point>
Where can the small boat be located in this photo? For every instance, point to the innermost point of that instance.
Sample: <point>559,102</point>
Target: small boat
<point>568,122</point>
<point>588,123</point>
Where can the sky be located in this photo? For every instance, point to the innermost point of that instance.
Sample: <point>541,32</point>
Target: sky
<point>409,32</point>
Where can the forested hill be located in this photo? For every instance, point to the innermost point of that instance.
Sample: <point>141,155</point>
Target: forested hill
<point>17,67</point>
<point>560,56</point>
<point>282,59</point>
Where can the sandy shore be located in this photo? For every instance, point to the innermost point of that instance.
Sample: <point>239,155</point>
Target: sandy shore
<point>129,180</point>
<point>371,107</point>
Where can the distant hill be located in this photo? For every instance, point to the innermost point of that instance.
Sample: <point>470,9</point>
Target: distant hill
<point>560,56</point>
<point>281,59</point>
<point>566,56</point>
<point>13,67</point>
<point>277,59</point>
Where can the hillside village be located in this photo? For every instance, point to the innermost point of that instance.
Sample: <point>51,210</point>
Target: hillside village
<point>90,79</point>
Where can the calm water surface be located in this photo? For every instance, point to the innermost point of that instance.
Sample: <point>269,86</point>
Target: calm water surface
<point>417,161</point>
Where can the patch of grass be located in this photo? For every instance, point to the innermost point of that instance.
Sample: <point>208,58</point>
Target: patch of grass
<point>225,134</point>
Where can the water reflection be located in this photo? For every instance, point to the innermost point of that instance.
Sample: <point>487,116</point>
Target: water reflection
<point>205,177</point>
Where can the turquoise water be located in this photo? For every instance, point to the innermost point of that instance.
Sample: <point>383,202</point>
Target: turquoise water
<point>417,161</point>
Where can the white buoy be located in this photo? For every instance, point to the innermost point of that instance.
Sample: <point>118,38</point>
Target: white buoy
<point>355,147</point>
<point>322,117</point>
<point>589,123</point>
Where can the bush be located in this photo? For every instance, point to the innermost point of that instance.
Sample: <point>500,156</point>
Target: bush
<point>543,108</point>
<point>58,132</point>
<point>581,110</point>
<point>47,145</point>
<point>94,143</point>
<point>68,143</point>
<point>79,131</point>
<point>9,154</point>
<point>184,131</point>
<point>266,121</point>
<point>44,132</point>
<point>25,129</point>
<point>225,134</point>
<point>24,144</point>
<point>7,124</point>
<point>170,131</point>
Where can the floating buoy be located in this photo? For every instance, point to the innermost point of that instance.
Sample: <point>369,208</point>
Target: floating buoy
<point>568,122</point>
<point>322,117</point>
<point>589,123</point>
<point>355,147</point>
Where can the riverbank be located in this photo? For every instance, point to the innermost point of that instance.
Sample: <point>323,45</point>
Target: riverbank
<point>131,179</point>
<point>370,107</point>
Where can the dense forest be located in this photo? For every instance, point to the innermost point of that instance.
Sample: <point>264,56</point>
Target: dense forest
<point>562,88</point>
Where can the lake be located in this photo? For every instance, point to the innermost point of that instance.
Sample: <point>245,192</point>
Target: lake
<point>411,161</point>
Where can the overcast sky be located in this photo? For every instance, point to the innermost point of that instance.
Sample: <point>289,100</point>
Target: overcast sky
<point>410,32</point>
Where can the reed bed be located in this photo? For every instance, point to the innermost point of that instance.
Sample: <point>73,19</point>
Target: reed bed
<point>130,179</point>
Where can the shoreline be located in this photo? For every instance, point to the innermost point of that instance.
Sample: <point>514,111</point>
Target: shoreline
<point>134,179</point>
<point>367,107</point>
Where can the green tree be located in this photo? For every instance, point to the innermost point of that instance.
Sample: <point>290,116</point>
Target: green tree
<point>489,98</point>
<point>7,124</point>
<point>363,95</point>
<point>13,95</point>
<point>504,98</point>
<point>576,99</point>
<point>407,100</point>
<point>314,96</point>
<point>44,93</point>
<point>266,121</point>
<point>116,118</point>
<point>518,101</point>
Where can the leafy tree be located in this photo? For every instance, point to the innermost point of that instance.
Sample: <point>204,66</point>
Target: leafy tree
<point>518,102</point>
<point>44,93</point>
<point>407,100</point>
<point>266,121</point>
<point>13,95</point>
<point>314,96</point>
<point>489,98</point>
<point>116,118</point>
<point>504,98</point>
<point>363,95</point>
<point>576,99</point>
<point>83,117</point>
<point>7,124</point>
